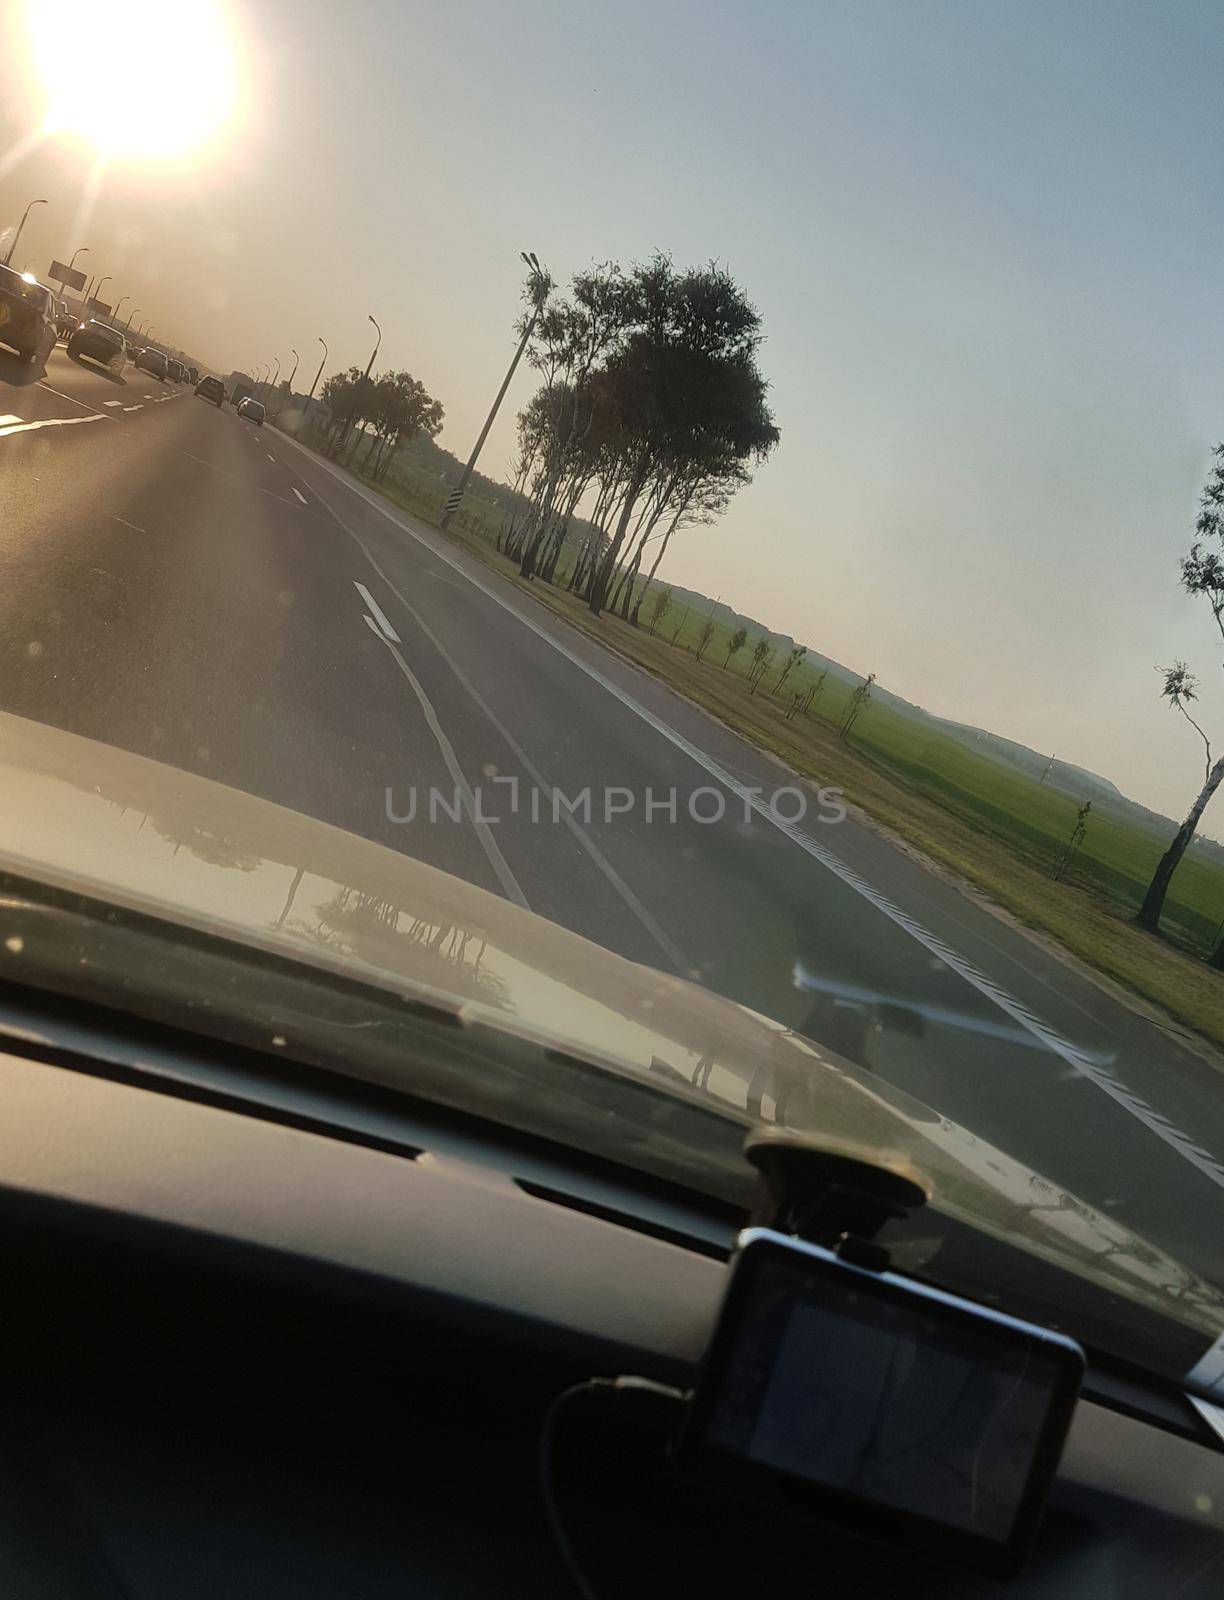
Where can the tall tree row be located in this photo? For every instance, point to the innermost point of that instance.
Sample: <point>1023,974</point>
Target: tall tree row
<point>650,414</point>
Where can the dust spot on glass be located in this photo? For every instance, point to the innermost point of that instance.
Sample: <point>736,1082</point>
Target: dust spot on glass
<point>278,1039</point>
<point>1203,1503</point>
<point>286,597</point>
<point>489,770</point>
<point>203,753</point>
<point>34,648</point>
<point>15,944</point>
<point>688,853</point>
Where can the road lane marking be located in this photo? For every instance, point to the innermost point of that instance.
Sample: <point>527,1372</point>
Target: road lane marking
<point>128,524</point>
<point>1080,1061</point>
<point>53,422</point>
<point>133,408</point>
<point>496,860</point>
<point>299,494</point>
<point>674,954</point>
<point>269,455</point>
<point>112,402</point>
<point>378,613</point>
<point>71,398</point>
<point>5,421</point>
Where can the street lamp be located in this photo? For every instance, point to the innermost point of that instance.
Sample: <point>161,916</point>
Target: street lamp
<point>131,314</point>
<point>539,286</point>
<point>97,290</point>
<point>118,304</point>
<point>360,389</point>
<point>276,374</point>
<point>20,225</point>
<point>289,380</point>
<point>318,374</point>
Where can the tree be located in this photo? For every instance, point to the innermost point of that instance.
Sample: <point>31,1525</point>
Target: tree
<point>858,700</point>
<point>738,640</point>
<point>704,637</point>
<point>1180,689</point>
<point>1202,573</point>
<point>659,608</point>
<point>794,657</point>
<point>761,656</point>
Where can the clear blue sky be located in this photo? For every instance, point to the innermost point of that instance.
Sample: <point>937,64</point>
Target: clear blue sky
<point>985,240</point>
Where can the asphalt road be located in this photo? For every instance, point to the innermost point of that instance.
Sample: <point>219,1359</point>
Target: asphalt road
<point>189,587</point>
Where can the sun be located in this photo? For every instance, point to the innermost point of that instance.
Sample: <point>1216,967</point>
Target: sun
<point>152,80</point>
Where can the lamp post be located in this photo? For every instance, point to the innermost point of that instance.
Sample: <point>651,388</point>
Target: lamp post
<point>540,285</point>
<point>131,314</point>
<point>98,288</point>
<point>13,243</point>
<point>118,304</point>
<point>360,389</point>
<point>289,379</point>
<point>318,374</point>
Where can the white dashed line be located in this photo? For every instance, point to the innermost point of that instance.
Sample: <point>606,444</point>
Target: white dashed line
<point>497,861</point>
<point>133,408</point>
<point>385,628</point>
<point>5,421</point>
<point>112,402</point>
<point>269,455</point>
<point>300,495</point>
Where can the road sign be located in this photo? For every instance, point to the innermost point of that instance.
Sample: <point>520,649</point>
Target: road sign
<point>67,277</point>
<point>98,308</point>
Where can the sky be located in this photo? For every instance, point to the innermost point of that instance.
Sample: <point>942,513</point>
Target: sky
<point>985,242</point>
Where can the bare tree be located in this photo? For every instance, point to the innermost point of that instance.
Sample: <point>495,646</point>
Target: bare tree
<point>1202,573</point>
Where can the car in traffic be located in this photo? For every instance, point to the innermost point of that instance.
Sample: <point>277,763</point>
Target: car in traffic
<point>98,341</point>
<point>252,410</point>
<point>210,388</point>
<point>65,322</point>
<point>193,374</point>
<point>153,362</point>
<point>176,370</point>
<point>27,316</point>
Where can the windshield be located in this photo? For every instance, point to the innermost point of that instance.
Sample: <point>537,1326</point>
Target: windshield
<point>734,585</point>
<point>24,286</point>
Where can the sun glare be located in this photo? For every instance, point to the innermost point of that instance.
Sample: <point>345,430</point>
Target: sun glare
<point>153,80</point>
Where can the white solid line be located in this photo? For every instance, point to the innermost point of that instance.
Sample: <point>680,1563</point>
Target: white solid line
<point>380,616</point>
<point>112,402</point>
<point>1081,1061</point>
<point>496,860</point>
<point>299,494</point>
<point>4,421</point>
<point>71,398</point>
<point>52,422</point>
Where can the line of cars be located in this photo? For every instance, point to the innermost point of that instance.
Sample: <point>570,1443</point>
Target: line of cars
<point>32,321</point>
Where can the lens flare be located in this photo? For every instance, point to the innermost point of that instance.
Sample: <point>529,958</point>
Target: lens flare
<point>152,80</point>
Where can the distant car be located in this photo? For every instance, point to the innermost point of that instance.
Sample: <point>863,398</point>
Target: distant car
<point>65,322</point>
<point>152,361</point>
<point>211,389</point>
<point>252,410</point>
<point>27,315</point>
<point>97,341</point>
<point>176,370</point>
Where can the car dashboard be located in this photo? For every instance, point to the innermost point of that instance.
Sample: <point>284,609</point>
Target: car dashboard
<point>249,1350</point>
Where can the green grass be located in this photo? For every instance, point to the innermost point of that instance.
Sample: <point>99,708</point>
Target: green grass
<point>984,818</point>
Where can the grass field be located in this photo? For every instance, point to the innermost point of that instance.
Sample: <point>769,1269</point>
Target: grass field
<point>986,819</point>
